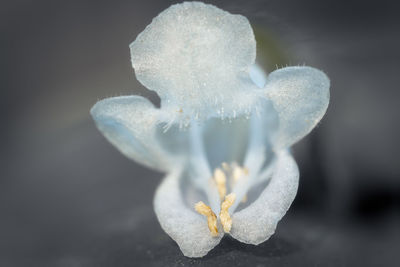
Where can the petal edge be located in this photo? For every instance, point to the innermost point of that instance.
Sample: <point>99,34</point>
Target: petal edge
<point>187,228</point>
<point>256,223</point>
<point>300,95</point>
<point>129,123</point>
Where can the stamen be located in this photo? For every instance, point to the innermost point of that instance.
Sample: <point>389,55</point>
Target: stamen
<point>246,171</point>
<point>205,210</point>
<point>225,166</point>
<point>224,216</point>
<point>239,173</point>
<point>220,180</point>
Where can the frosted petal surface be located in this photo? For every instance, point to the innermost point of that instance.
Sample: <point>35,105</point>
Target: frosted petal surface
<point>182,224</point>
<point>300,95</point>
<point>257,222</point>
<point>257,75</point>
<point>196,57</point>
<point>129,123</point>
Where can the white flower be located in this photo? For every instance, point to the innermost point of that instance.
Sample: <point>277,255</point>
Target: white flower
<point>222,127</point>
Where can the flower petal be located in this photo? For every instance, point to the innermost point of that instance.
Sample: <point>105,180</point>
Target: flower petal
<point>181,223</point>
<point>257,222</point>
<point>258,76</point>
<point>196,56</point>
<point>226,141</point>
<point>129,123</point>
<point>300,95</point>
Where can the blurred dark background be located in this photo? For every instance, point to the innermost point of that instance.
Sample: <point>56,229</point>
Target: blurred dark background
<point>68,198</point>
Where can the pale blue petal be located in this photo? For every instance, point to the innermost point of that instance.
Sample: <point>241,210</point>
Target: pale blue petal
<point>257,222</point>
<point>130,124</point>
<point>258,76</point>
<point>173,139</point>
<point>300,96</point>
<point>179,219</point>
<point>197,58</point>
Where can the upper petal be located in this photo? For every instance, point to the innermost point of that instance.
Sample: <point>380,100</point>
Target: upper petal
<point>257,222</point>
<point>300,96</point>
<point>130,124</point>
<point>196,57</point>
<point>181,223</point>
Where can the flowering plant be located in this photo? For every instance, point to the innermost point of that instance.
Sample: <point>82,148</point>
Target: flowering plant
<point>223,126</point>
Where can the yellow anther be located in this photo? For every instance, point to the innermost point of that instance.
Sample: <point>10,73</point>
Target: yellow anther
<point>205,210</point>
<point>220,180</point>
<point>224,216</point>
<point>225,166</point>
<point>246,171</point>
<point>237,173</point>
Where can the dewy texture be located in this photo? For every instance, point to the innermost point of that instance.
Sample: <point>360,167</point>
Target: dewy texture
<point>219,113</point>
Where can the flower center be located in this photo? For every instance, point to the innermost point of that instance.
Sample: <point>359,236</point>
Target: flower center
<point>234,173</point>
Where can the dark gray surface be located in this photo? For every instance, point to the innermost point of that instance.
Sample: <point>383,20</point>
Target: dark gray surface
<point>68,198</point>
